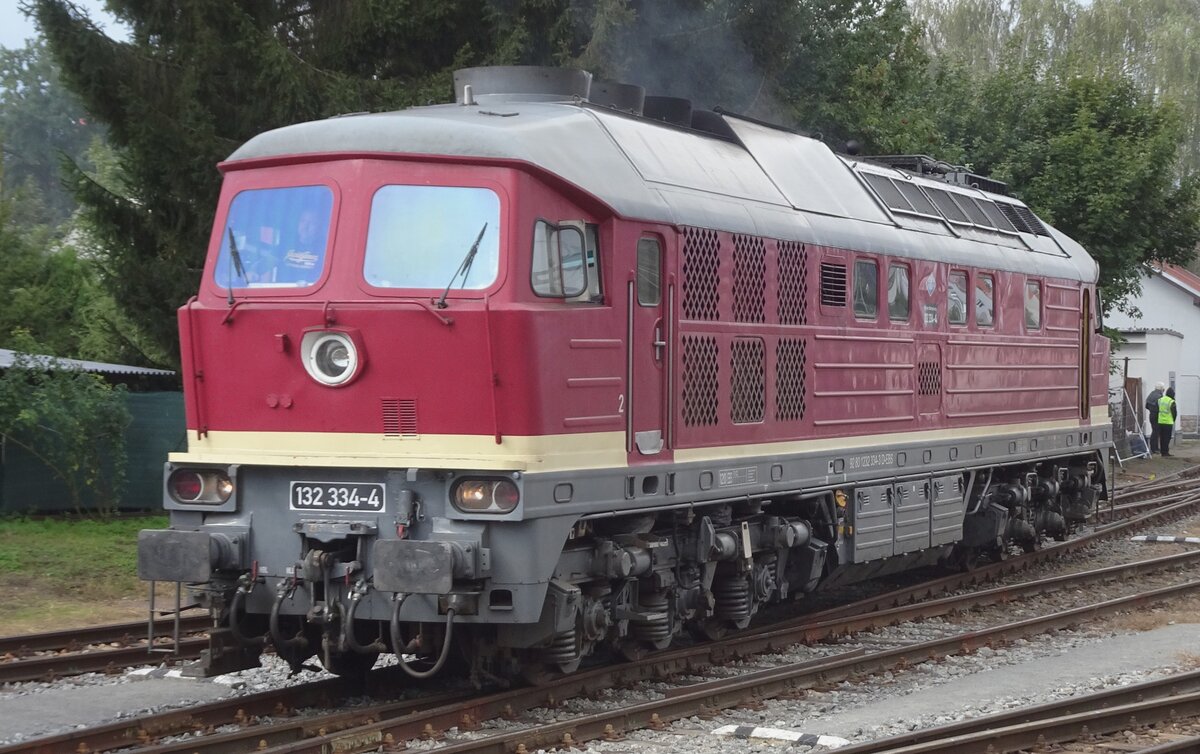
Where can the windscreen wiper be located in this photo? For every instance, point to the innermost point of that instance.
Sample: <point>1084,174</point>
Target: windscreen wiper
<point>236,266</point>
<point>463,269</point>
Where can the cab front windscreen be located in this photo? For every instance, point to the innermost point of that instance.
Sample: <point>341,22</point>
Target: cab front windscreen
<point>275,238</point>
<point>433,237</point>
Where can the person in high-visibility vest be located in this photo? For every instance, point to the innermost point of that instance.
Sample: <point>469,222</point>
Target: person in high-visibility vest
<point>1166,420</point>
<point>1152,411</point>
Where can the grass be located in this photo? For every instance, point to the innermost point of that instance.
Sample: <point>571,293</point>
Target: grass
<point>62,572</point>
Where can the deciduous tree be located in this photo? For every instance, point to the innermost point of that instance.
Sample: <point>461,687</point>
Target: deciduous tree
<point>1093,155</point>
<point>72,421</point>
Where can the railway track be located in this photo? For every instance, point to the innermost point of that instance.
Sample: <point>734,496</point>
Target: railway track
<point>351,730</point>
<point>1147,495</point>
<point>1153,702</point>
<point>377,728</point>
<point>89,650</point>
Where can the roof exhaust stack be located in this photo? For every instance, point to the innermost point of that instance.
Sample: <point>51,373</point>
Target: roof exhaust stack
<point>674,110</point>
<point>520,83</point>
<point>628,98</point>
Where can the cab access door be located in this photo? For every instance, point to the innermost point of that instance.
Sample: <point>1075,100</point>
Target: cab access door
<point>648,341</point>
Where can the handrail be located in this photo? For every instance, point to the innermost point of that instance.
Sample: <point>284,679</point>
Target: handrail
<point>325,306</point>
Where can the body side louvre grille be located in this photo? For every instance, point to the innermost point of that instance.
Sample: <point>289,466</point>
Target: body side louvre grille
<point>399,417</point>
<point>833,284</point>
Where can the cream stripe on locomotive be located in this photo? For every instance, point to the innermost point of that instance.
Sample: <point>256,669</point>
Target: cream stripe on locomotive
<point>591,450</point>
<point>693,455</point>
<point>547,453</point>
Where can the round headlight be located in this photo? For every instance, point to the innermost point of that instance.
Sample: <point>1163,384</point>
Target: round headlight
<point>331,358</point>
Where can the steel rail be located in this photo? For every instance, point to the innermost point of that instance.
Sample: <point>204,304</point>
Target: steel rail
<point>1154,485</point>
<point>1125,510</point>
<point>279,702</point>
<point>285,732</point>
<point>73,639</point>
<point>785,680</point>
<point>1171,686</point>
<point>839,625</point>
<point>94,661</point>
<point>1098,720</point>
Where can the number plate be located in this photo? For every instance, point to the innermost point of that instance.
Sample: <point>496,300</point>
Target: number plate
<point>336,496</point>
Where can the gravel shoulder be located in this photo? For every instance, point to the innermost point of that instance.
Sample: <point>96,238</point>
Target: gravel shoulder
<point>1032,672</point>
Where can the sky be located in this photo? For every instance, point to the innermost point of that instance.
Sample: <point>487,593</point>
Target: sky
<point>15,28</point>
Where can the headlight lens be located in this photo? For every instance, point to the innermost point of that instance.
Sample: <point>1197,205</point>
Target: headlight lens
<point>199,486</point>
<point>329,357</point>
<point>486,496</point>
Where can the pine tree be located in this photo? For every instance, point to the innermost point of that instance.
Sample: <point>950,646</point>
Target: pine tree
<point>197,79</point>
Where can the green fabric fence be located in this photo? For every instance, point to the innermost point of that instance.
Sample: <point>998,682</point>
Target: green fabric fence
<point>157,428</point>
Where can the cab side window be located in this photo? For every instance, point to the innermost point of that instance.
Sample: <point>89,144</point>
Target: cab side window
<point>866,289</point>
<point>985,306</point>
<point>649,266</point>
<point>898,299</point>
<point>591,240</point>
<point>561,261</point>
<point>956,291</point>
<point>1033,305</point>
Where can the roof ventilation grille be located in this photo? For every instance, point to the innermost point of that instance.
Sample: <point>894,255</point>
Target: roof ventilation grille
<point>938,169</point>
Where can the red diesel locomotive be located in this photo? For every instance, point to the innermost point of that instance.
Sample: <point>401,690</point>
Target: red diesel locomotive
<point>556,368</point>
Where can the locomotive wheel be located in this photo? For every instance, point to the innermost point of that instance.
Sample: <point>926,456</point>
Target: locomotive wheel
<point>636,649</point>
<point>713,629</point>
<point>541,673</point>
<point>349,664</point>
<point>538,673</point>
<point>963,558</point>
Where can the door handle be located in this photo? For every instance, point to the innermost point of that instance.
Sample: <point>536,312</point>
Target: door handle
<point>659,343</point>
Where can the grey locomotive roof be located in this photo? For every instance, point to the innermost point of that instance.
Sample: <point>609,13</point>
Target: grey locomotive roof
<point>774,183</point>
<point>9,357</point>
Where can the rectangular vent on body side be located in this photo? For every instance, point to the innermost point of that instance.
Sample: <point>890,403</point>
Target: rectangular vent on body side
<point>833,284</point>
<point>749,279</point>
<point>747,388</point>
<point>701,274</point>
<point>700,401</point>
<point>929,378</point>
<point>793,283</point>
<point>789,379</point>
<point>399,417</point>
